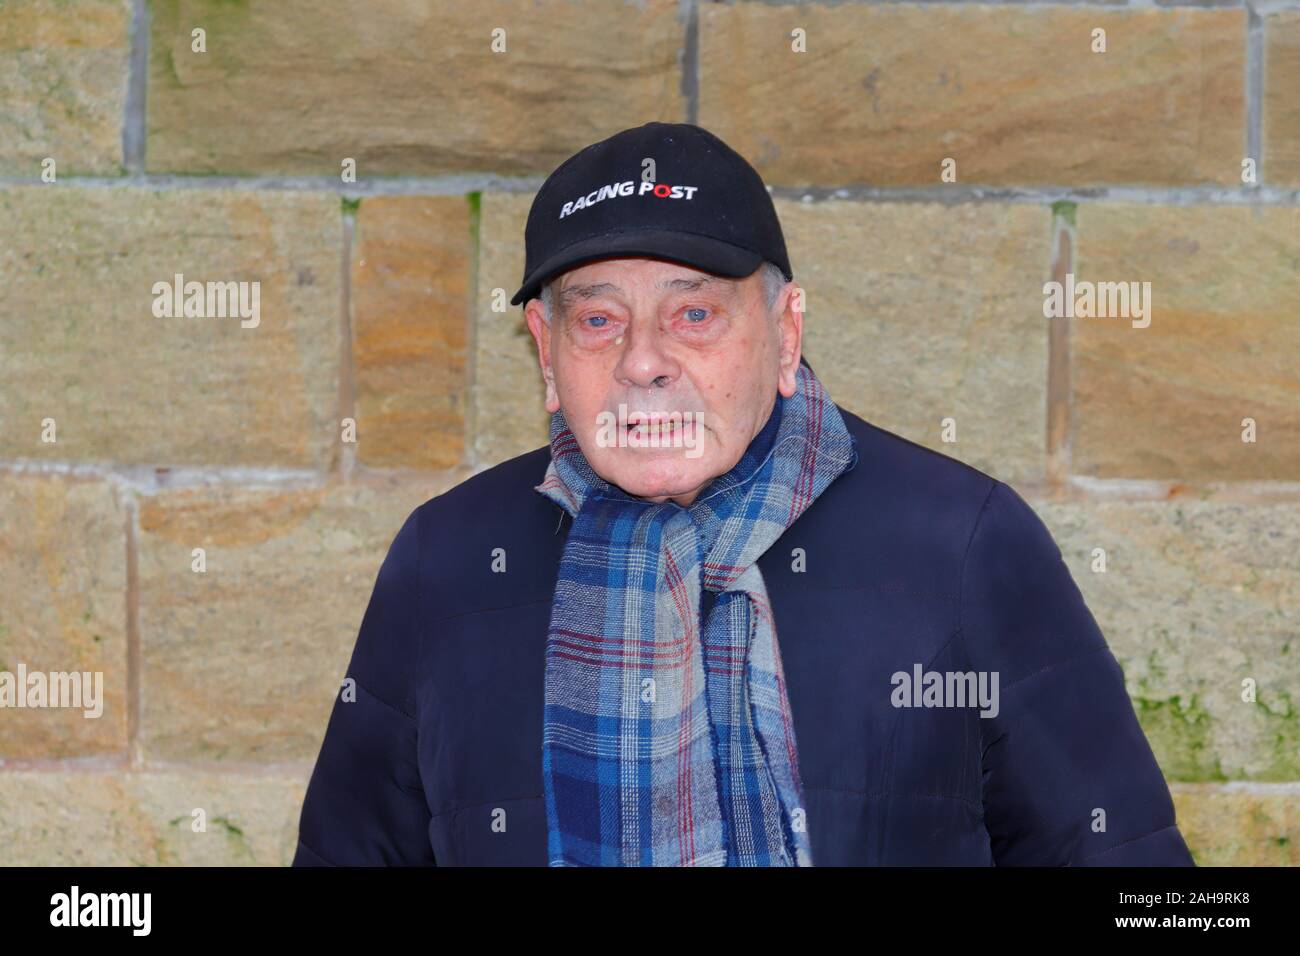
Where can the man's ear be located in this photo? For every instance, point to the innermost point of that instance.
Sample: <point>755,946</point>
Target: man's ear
<point>541,331</point>
<point>789,306</point>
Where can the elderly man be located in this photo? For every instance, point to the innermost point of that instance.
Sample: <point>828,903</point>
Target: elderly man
<point>719,620</point>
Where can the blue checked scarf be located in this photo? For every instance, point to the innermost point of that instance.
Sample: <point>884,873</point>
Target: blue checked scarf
<point>662,745</point>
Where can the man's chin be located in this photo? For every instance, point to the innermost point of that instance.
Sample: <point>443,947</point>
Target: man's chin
<point>670,481</point>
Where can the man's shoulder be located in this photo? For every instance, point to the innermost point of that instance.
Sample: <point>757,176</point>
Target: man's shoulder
<point>921,496</point>
<point>457,542</point>
<point>924,522</point>
<point>497,505</point>
<point>497,487</point>
<point>900,473</point>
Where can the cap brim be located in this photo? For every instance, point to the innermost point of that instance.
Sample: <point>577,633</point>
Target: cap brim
<point>699,252</point>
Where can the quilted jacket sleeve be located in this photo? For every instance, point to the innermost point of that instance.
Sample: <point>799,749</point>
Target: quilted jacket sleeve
<point>365,805</point>
<point>1069,777</point>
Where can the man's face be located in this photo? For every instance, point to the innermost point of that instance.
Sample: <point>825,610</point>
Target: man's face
<point>665,340</point>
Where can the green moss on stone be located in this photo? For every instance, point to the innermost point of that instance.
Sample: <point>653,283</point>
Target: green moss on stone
<point>1065,209</point>
<point>1178,731</point>
<point>1282,731</point>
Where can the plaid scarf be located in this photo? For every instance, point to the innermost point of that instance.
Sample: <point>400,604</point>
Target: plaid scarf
<point>664,745</point>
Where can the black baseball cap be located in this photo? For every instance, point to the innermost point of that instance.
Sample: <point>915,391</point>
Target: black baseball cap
<point>706,207</point>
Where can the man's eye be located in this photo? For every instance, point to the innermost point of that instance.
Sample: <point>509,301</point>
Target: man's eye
<point>704,314</point>
<point>599,321</point>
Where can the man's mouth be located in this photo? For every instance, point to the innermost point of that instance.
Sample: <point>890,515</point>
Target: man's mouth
<point>663,422</point>
<point>651,430</point>
<point>661,427</point>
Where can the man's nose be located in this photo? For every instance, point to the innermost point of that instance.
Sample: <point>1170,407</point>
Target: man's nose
<point>644,363</point>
